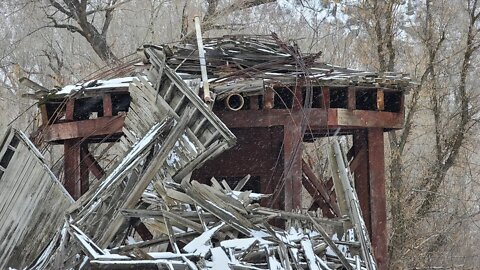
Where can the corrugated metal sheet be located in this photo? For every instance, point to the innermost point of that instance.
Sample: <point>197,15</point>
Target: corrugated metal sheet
<point>32,201</point>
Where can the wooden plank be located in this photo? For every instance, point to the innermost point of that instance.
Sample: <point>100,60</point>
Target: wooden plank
<point>28,218</point>
<point>87,128</point>
<point>332,245</point>
<point>135,194</point>
<point>338,160</point>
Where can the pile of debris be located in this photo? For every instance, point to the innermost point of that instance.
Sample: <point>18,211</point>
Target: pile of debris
<point>197,226</point>
<point>169,131</point>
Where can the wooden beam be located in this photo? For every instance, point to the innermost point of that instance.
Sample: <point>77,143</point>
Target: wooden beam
<point>87,128</point>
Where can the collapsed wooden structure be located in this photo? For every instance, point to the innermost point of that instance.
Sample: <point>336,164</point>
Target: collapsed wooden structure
<point>273,99</point>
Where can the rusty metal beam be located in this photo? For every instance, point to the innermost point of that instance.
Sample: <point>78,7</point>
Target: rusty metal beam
<point>317,200</point>
<point>87,128</point>
<point>107,104</point>
<point>319,187</point>
<point>84,171</point>
<point>326,97</point>
<point>351,101</point>
<point>360,172</point>
<point>378,203</point>
<point>92,164</point>
<point>292,160</point>
<point>317,118</point>
<point>71,168</point>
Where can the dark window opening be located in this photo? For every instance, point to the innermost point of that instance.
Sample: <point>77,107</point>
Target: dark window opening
<point>338,97</point>
<point>120,103</point>
<point>366,99</point>
<point>54,110</point>
<point>84,108</point>
<point>393,101</point>
<point>317,98</point>
<point>283,98</point>
<point>6,158</point>
<point>15,141</point>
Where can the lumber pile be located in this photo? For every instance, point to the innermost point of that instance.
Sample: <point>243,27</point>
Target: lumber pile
<point>198,226</point>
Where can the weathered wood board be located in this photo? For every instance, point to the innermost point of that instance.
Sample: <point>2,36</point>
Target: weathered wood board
<point>32,202</point>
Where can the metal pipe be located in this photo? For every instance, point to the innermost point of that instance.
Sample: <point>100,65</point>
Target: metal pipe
<point>203,65</point>
<point>234,102</point>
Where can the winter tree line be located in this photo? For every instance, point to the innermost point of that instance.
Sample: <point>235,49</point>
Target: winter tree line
<point>433,164</point>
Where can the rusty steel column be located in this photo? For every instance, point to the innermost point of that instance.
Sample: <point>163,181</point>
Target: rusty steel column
<point>378,203</point>
<point>71,176</point>
<point>362,184</point>
<point>84,170</point>
<point>292,170</point>
<point>71,156</point>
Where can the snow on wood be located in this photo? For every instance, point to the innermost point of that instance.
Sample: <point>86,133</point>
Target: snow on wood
<point>32,201</point>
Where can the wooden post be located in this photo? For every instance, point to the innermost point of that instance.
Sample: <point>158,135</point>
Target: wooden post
<point>292,160</point>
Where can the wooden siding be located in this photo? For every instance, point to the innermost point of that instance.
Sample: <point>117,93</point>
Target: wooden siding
<point>32,202</point>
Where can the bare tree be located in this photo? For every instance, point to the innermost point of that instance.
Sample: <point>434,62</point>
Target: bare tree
<point>78,16</point>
